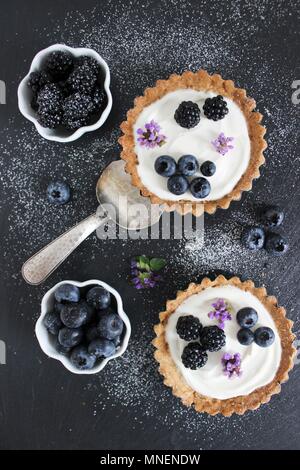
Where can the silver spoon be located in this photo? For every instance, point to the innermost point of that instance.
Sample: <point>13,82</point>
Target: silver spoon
<point>119,201</point>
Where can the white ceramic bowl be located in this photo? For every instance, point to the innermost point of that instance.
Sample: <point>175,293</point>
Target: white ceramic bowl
<point>46,340</point>
<point>25,94</point>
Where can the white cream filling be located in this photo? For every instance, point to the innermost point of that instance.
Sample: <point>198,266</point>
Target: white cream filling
<point>196,141</point>
<point>259,365</point>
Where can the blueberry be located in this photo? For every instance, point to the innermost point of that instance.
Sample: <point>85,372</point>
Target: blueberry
<point>105,311</point>
<point>62,349</point>
<point>264,336</point>
<point>67,293</point>
<point>98,297</point>
<point>52,323</point>
<point>91,333</point>
<point>187,165</point>
<point>102,347</point>
<point>58,193</point>
<point>76,314</point>
<point>247,317</point>
<point>81,358</point>
<point>178,184</point>
<point>253,238</point>
<point>272,216</point>
<point>200,188</point>
<point>110,326</point>
<point>58,307</point>
<point>117,341</point>
<point>245,336</point>
<point>70,337</point>
<point>276,244</point>
<point>165,166</point>
<point>208,168</point>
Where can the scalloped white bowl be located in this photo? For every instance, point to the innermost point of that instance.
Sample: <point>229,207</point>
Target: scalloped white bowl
<point>46,340</point>
<point>25,94</point>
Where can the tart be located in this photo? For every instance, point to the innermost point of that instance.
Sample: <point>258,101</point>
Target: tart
<point>217,125</point>
<point>234,377</point>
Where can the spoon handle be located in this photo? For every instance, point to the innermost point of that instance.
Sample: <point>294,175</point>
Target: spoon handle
<point>37,268</point>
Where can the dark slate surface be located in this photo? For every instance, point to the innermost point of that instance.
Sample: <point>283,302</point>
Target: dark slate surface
<point>43,406</point>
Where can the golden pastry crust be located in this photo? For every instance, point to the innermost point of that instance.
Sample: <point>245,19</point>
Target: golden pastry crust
<point>200,80</point>
<point>201,403</point>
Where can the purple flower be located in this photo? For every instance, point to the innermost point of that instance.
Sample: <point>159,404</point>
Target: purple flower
<point>150,137</point>
<point>222,143</point>
<point>144,271</point>
<point>231,365</point>
<point>220,313</point>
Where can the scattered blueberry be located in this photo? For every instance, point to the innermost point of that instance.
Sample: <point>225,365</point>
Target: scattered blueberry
<point>67,293</point>
<point>81,358</point>
<point>58,193</point>
<point>102,347</point>
<point>247,317</point>
<point>245,336</point>
<point>187,165</point>
<point>200,188</point>
<point>74,315</point>
<point>98,297</point>
<point>264,336</point>
<point>253,238</point>
<point>178,184</point>
<point>165,166</point>
<point>208,168</point>
<point>110,326</point>
<point>272,216</point>
<point>70,337</point>
<point>276,244</point>
<point>52,322</point>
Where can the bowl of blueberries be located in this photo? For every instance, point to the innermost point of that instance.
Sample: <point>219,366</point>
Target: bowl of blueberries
<point>83,325</point>
<point>66,92</point>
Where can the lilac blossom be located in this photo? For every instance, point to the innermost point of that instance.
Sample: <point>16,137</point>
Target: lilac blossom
<point>221,312</point>
<point>222,144</point>
<point>150,136</point>
<point>231,365</point>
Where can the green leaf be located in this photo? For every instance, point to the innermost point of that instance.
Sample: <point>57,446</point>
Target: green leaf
<point>156,264</point>
<point>144,263</point>
<point>144,276</point>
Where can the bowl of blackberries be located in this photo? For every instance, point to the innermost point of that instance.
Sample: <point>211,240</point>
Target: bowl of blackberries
<point>83,325</point>
<point>66,92</point>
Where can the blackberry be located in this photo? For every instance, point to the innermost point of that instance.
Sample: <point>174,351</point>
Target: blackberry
<point>212,338</point>
<point>98,100</point>
<point>49,99</point>
<point>33,103</point>
<point>188,327</point>
<point>59,64</point>
<point>194,356</point>
<point>90,62</point>
<point>215,108</point>
<point>76,109</point>
<point>38,80</point>
<point>49,120</point>
<point>82,79</point>
<point>187,114</point>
